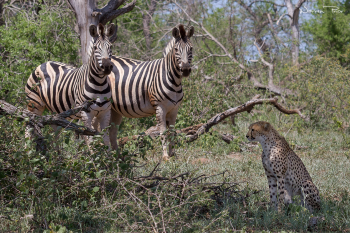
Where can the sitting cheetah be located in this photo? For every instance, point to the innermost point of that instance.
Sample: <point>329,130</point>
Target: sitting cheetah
<point>283,167</point>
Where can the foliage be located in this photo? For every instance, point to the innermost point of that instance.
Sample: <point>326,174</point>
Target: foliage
<point>30,40</point>
<point>331,30</point>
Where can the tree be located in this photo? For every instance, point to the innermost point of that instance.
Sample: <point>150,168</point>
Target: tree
<point>293,13</point>
<point>87,13</point>
<point>331,31</point>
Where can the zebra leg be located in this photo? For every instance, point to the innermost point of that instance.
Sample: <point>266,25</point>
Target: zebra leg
<point>161,122</point>
<point>116,119</point>
<point>34,108</point>
<point>104,121</point>
<point>57,147</point>
<point>170,120</point>
<point>87,119</point>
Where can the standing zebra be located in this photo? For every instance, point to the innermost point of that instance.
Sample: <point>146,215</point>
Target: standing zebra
<point>141,89</point>
<point>59,87</point>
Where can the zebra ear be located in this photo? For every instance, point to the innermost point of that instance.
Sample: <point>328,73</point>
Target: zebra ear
<point>182,31</point>
<point>110,30</point>
<point>190,32</point>
<point>93,31</point>
<point>176,33</point>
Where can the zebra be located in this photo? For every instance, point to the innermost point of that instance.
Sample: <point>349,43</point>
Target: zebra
<point>169,47</point>
<point>59,87</point>
<point>141,89</point>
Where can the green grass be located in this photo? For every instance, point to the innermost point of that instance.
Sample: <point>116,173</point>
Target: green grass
<point>77,207</point>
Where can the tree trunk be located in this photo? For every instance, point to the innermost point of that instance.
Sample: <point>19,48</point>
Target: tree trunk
<point>294,22</point>
<point>87,13</point>
<point>83,12</point>
<point>146,23</point>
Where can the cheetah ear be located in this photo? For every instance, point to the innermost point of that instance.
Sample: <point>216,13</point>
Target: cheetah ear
<point>267,126</point>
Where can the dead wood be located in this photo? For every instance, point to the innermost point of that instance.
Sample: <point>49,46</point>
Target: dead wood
<point>193,132</point>
<point>37,122</point>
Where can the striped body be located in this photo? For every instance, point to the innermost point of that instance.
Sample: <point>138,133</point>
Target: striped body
<point>138,87</point>
<point>141,89</point>
<point>60,87</point>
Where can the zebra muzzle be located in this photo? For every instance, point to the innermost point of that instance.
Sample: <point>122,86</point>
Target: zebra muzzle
<point>186,69</point>
<point>107,66</point>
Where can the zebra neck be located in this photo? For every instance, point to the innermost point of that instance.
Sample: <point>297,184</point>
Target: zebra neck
<point>172,70</point>
<point>95,75</point>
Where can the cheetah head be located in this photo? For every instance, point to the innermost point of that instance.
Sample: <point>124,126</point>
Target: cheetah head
<point>258,131</point>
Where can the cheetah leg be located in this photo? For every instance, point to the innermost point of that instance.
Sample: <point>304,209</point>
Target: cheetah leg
<point>311,195</point>
<point>281,192</point>
<point>170,120</point>
<point>288,190</point>
<point>116,119</point>
<point>161,122</point>
<point>272,188</point>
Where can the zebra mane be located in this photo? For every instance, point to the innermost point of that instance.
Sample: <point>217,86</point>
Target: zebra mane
<point>169,47</point>
<point>90,47</point>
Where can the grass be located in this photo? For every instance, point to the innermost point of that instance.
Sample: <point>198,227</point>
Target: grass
<point>324,153</point>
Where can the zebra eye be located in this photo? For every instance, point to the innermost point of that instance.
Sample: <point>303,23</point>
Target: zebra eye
<point>95,47</point>
<point>176,50</point>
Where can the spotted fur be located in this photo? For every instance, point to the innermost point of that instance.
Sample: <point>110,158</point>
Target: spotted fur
<point>285,171</point>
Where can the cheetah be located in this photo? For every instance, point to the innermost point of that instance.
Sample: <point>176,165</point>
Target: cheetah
<point>283,167</point>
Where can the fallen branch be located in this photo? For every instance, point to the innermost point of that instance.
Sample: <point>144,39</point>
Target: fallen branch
<point>247,107</point>
<point>39,122</point>
<point>193,132</point>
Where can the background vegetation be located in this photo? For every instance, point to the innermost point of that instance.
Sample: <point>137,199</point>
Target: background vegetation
<point>72,190</point>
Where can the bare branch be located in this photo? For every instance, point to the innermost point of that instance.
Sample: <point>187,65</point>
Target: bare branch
<point>247,107</point>
<point>7,109</point>
<point>251,76</point>
<point>285,14</point>
<point>193,132</point>
<point>109,14</point>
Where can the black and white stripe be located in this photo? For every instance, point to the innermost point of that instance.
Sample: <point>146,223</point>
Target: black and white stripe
<point>169,47</point>
<point>141,89</point>
<point>60,87</point>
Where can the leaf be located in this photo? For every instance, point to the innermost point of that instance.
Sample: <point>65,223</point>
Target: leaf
<point>96,189</point>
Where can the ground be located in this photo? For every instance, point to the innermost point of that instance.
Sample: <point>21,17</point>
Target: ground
<point>325,154</point>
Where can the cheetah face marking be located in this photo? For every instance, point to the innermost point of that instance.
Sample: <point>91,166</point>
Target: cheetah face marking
<point>257,131</point>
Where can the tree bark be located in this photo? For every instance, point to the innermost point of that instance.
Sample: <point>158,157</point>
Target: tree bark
<point>83,13</point>
<point>146,23</point>
<point>86,13</point>
<point>294,23</point>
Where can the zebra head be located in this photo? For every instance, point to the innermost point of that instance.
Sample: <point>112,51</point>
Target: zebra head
<point>182,49</point>
<point>100,49</point>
